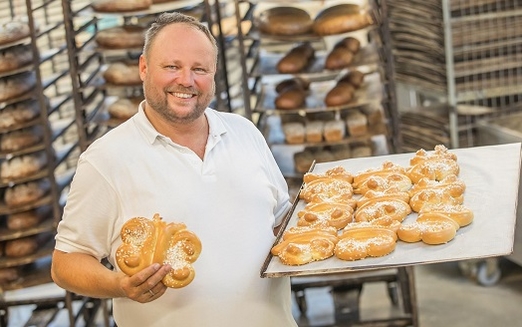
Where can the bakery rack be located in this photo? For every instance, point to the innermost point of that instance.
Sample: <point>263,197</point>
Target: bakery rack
<point>463,56</point>
<point>55,129</point>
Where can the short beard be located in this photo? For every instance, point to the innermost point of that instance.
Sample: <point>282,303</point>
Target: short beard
<point>162,108</point>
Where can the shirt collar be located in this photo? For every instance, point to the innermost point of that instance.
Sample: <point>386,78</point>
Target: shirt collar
<point>216,126</point>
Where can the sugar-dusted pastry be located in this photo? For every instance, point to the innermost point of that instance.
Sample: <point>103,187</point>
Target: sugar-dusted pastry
<point>377,208</point>
<point>147,241</point>
<point>451,194</point>
<point>384,221</point>
<point>392,173</point>
<point>427,183</point>
<point>303,245</point>
<point>328,189</point>
<point>458,212</point>
<point>392,192</point>
<point>430,228</point>
<point>434,165</point>
<point>370,241</point>
<point>335,172</point>
<point>325,214</point>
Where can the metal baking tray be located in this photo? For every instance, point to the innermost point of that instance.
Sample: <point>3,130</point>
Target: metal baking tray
<point>491,174</point>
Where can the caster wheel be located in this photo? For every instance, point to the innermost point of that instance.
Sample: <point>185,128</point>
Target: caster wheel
<point>488,274</point>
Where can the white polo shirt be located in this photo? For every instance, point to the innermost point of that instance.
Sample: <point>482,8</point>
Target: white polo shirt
<point>231,200</point>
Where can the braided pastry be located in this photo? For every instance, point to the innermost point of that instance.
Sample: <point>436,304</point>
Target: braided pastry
<point>328,189</point>
<point>436,165</point>
<point>391,192</point>
<point>304,245</point>
<point>335,172</point>
<point>459,213</point>
<point>431,228</point>
<point>370,241</point>
<point>325,214</point>
<point>427,183</point>
<point>376,208</point>
<point>147,241</point>
<point>451,194</point>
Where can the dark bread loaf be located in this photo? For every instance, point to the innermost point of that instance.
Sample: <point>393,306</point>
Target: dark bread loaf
<point>285,21</point>
<point>338,58</point>
<point>129,36</point>
<point>291,93</point>
<point>120,5</point>
<point>339,19</point>
<point>297,59</point>
<point>340,94</point>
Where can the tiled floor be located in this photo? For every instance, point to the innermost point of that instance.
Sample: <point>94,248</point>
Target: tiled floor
<point>445,297</point>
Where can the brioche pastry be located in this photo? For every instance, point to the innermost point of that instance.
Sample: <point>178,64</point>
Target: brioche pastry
<point>439,152</point>
<point>147,241</point>
<point>386,168</point>
<point>384,221</point>
<point>377,208</point>
<point>335,172</point>
<point>459,213</point>
<point>325,213</point>
<point>384,181</point>
<point>390,192</point>
<point>430,228</point>
<point>427,183</point>
<point>359,243</point>
<point>311,244</point>
<point>451,194</point>
<point>328,189</point>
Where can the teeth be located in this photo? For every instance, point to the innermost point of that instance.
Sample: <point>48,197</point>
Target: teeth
<point>183,95</point>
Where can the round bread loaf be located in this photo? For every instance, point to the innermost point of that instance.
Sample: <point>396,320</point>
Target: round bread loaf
<point>121,37</point>
<point>21,139</point>
<point>22,166</point>
<point>12,31</point>
<point>123,108</point>
<point>339,19</point>
<point>120,5</point>
<point>23,194</point>
<point>15,57</point>
<point>285,21</point>
<point>16,85</point>
<point>27,219</point>
<point>120,73</point>
<point>19,113</point>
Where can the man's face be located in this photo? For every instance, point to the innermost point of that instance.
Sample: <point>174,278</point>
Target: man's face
<point>178,73</point>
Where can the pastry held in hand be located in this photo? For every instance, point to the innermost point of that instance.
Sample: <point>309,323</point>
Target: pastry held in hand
<point>147,241</point>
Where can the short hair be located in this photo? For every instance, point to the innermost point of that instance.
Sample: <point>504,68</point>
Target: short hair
<point>169,18</point>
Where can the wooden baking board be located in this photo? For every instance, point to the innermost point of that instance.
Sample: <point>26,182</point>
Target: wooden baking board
<point>491,174</point>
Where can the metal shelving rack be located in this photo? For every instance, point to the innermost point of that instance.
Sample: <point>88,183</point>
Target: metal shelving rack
<point>59,142</point>
<point>462,56</point>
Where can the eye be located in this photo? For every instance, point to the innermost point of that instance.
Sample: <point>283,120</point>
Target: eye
<point>171,67</point>
<point>200,70</point>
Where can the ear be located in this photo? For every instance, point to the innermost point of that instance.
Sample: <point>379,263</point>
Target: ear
<point>143,67</point>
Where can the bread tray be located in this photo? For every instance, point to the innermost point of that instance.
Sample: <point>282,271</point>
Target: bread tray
<point>491,174</point>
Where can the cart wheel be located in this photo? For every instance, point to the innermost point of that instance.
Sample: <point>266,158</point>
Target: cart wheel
<point>393,293</point>
<point>488,273</point>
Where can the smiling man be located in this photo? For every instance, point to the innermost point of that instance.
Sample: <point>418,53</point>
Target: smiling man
<point>210,170</point>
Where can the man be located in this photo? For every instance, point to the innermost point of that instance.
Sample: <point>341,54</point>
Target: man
<point>211,171</point>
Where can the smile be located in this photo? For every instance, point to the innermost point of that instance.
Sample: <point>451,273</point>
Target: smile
<point>183,95</point>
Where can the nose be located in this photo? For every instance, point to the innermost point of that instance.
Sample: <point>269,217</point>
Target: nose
<point>186,77</point>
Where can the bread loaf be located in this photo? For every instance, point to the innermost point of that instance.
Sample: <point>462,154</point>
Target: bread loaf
<point>16,85</point>
<point>350,43</point>
<point>27,219</point>
<point>15,57</point>
<point>297,59</point>
<point>334,130</point>
<point>21,139</point>
<point>23,194</point>
<point>294,132</point>
<point>129,36</point>
<point>357,123</point>
<point>340,94</point>
<point>339,19</point>
<point>285,21</point>
<point>21,247</point>
<point>19,113</point>
<point>291,98</point>
<point>121,73</point>
<point>123,108</point>
<point>23,166</point>
<point>120,5</point>
<point>338,58</point>
<point>14,30</point>
<point>296,82</point>
<point>314,131</point>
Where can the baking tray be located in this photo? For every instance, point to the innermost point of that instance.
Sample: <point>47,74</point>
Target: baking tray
<point>491,174</point>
